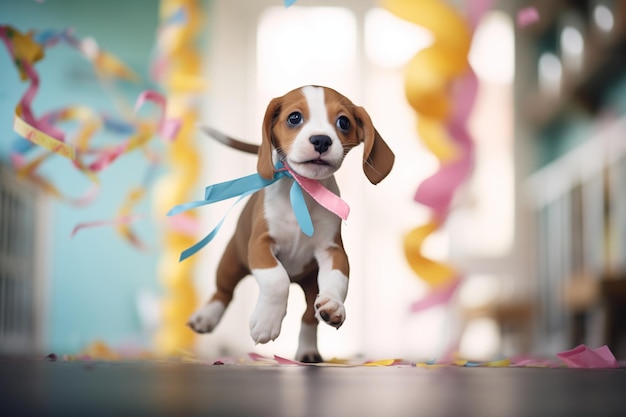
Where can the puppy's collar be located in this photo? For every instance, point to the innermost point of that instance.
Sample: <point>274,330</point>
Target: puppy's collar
<point>244,186</point>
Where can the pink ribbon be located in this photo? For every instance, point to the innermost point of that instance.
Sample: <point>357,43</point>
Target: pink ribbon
<point>321,194</point>
<point>167,128</point>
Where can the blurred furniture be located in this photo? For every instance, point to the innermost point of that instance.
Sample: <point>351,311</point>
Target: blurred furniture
<point>514,318</point>
<point>573,110</point>
<point>579,205</point>
<point>605,296</point>
<point>613,299</point>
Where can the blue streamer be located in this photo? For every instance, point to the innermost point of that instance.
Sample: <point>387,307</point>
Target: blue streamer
<point>243,187</point>
<point>300,209</point>
<point>205,241</point>
<point>229,189</point>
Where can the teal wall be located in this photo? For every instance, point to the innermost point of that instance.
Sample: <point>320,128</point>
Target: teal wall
<point>573,125</point>
<point>94,278</point>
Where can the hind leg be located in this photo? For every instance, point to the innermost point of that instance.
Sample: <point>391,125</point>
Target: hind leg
<point>307,342</point>
<point>229,273</point>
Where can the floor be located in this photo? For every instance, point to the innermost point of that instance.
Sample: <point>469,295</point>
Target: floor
<point>82,388</point>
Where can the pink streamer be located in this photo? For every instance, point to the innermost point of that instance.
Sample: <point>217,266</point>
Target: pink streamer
<point>114,222</point>
<point>436,297</point>
<point>438,190</point>
<point>167,128</point>
<point>464,92</point>
<point>89,196</point>
<point>476,9</point>
<point>183,223</point>
<point>106,158</point>
<point>29,95</point>
<point>527,16</point>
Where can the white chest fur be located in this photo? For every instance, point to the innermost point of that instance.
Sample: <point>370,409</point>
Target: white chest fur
<point>292,247</point>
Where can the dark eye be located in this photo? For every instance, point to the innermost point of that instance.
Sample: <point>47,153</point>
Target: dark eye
<point>343,124</point>
<point>294,119</point>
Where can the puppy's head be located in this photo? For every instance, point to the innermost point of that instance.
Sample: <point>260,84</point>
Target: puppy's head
<point>312,129</point>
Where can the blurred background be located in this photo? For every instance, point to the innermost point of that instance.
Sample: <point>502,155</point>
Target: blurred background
<point>538,230</point>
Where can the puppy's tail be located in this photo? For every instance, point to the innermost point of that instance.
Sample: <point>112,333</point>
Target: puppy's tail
<point>230,142</point>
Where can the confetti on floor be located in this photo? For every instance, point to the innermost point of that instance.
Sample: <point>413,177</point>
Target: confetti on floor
<point>579,357</point>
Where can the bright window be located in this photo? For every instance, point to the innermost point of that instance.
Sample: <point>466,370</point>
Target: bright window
<point>306,45</point>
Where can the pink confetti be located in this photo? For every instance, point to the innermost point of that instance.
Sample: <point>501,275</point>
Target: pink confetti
<point>583,357</point>
<point>535,363</point>
<point>285,361</point>
<point>259,358</point>
<point>527,16</point>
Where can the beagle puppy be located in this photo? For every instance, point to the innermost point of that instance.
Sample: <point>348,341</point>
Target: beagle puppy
<point>311,129</point>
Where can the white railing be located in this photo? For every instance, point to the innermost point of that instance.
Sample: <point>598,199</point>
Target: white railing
<point>579,206</point>
<point>20,286</point>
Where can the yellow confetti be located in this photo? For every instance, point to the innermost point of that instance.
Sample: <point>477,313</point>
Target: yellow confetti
<point>381,362</point>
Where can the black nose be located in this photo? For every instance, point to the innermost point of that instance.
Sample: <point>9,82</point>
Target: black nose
<point>320,143</point>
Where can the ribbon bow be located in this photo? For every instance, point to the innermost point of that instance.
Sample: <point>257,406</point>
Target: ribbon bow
<point>244,186</point>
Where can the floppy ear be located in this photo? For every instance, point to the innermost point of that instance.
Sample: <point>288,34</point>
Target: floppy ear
<point>265,165</point>
<point>377,156</point>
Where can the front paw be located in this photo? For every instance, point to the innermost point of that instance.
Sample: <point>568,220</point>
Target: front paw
<point>330,310</point>
<point>266,322</point>
<point>206,318</point>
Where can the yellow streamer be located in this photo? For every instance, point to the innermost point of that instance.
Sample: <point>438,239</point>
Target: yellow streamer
<point>181,79</point>
<point>437,139</point>
<point>446,24</point>
<point>434,273</point>
<point>429,75</point>
<point>24,49</point>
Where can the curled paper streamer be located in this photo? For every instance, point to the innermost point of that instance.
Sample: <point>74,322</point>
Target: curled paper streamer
<point>177,69</point>
<point>439,295</point>
<point>432,272</point>
<point>167,128</point>
<point>125,212</point>
<point>441,88</point>
<point>42,132</point>
<point>98,223</point>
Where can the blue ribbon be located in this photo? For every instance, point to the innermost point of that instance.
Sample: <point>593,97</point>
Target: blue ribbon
<point>243,187</point>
